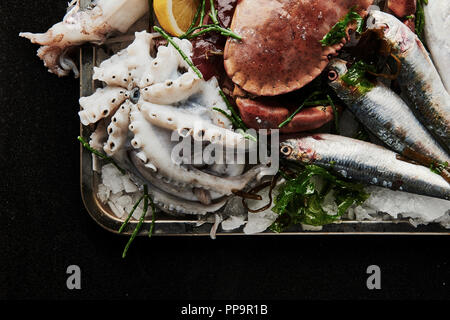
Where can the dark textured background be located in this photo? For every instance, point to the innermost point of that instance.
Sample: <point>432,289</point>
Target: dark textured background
<point>44,226</point>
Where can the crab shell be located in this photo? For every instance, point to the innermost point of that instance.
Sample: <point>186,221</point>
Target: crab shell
<point>402,8</point>
<point>280,49</point>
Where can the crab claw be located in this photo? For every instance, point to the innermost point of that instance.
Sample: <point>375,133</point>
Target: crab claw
<point>259,115</point>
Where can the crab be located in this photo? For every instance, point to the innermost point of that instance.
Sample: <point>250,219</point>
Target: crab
<point>280,52</point>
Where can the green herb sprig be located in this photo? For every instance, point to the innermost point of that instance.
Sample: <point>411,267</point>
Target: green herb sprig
<point>439,167</point>
<point>205,28</point>
<point>338,31</point>
<point>356,76</point>
<point>301,200</point>
<point>307,100</point>
<point>86,145</point>
<point>234,118</point>
<point>147,199</point>
<point>335,112</point>
<point>420,18</point>
<point>183,55</point>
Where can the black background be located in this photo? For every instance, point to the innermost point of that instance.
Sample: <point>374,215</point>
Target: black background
<point>44,227</point>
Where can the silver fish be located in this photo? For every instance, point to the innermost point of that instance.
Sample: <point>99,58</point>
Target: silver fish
<point>366,163</point>
<point>385,114</point>
<point>437,26</point>
<point>419,80</point>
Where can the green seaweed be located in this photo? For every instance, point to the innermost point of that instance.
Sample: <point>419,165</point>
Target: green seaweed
<point>301,199</point>
<point>356,76</point>
<point>338,31</point>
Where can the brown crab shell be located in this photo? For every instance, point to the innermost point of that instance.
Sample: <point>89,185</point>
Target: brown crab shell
<point>280,49</point>
<point>402,8</point>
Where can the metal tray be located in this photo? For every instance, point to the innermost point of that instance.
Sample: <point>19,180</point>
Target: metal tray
<point>188,226</point>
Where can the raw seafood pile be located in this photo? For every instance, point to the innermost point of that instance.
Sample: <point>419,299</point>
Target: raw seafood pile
<point>292,66</point>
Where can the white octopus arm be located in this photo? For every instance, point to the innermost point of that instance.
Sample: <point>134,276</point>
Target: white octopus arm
<point>80,26</point>
<point>162,183</point>
<point>99,136</point>
<point>187,123</point>
<point>101,104</point>
<point>168,63</point>
<point>176,205</point>
<point>173,91</point>
<point>155,143</point>
<point>118,130</point>
<point>126,68</point>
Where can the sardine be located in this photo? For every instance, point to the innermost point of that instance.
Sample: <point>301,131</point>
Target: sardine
<point>365,162</point>
<point>437,26</point>
<point>385,114</point>
<point>421,85</point>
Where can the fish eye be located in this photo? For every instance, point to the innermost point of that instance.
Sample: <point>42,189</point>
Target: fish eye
<point>286,150</point>
<point>332,75</point>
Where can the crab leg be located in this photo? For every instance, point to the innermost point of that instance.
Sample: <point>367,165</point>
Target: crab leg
<point>259,115</point>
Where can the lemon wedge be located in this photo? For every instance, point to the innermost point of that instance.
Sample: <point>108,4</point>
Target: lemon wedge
<point>175,16</point>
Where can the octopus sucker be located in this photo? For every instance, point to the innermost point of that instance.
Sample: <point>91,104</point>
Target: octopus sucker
<point>101,104</point>
<point>173,118</point>
<point>118,130</point>
<point>80,26</point>
<point>173,91</point>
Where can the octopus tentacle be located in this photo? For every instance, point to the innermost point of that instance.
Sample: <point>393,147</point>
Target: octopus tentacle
<point>158,152</point>
<point>165,185</point>
<point>173,91</point>
<point>174,205</point>
<point>126,68</point>
<point>118,130</point>
<point>80,26</point>
<point>99,136</point>
<point>101,104</point>
<point>186,123</point>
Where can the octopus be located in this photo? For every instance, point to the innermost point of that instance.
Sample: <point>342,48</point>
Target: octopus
<point>101,19</point>
<point>145,102</point>
<point>280,52</point>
